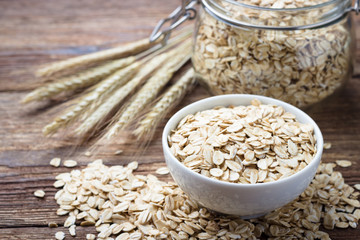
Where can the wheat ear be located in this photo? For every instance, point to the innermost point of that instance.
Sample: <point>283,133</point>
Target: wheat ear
<point>83,79</point>
<point>152,87</point>
<point>99,91</point>
<point>97,57</point>
<point>174,94</point>
<point>120,94</point>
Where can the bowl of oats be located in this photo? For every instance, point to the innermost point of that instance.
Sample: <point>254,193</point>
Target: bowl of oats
<point>240,154</point>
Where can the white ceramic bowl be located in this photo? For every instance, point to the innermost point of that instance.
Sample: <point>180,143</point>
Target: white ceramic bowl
<point>245,200</point>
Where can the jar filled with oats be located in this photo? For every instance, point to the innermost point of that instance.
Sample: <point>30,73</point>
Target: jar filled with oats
<point>298,51</point>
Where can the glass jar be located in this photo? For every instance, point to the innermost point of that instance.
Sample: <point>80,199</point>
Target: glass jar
<point>300,55</point>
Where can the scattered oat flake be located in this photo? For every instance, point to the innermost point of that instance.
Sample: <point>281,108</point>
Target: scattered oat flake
<point>55,162</point>
<point>59,235</point>
<point>343,163</point>
<point>59,183</point>
<point>90,236</point>
<point>357,186</point>
<point>39,193</point>
<point>342,224</point>
<point>69,221</point>
<point>72,230</point>
<point>87,154</point>
<point>123,236</point>
<point>61,212</point>
<point>162,171</point>
<point>52,225</point>
<point>356,214</point>
<point>70,163</point>
<point>133,165</point>
<point>118,152</point>
<point>327,145</point>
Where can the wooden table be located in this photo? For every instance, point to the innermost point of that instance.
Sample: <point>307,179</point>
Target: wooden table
<point>40,31</point>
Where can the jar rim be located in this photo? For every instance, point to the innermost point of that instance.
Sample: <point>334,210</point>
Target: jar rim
<point>320,5</point>
<point>218,12</point>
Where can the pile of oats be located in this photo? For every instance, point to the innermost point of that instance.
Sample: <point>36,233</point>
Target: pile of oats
<point>243,144</point>
<point>300,67</point>
<point>123,205</point>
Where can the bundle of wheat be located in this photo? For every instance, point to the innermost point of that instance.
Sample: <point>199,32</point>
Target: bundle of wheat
<point>133,76</point>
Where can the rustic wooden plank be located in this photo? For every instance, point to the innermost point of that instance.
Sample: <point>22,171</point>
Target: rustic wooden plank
<point>48,233</point>
<point>43,232</point>
<point>24,171</point>
<point>46,25</point>
<point>20,210</point>
<point>43,31</point>
<point>36,32</point>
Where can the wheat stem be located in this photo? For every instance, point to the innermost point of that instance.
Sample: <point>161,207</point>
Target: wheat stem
<point>152,87</point>
<point>165,104</point>
<point>97,57</point>
<point>120,94</point>
<point>100,91</point>
<point>81,80</point>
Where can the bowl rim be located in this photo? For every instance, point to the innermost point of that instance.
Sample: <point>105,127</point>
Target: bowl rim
<point>267,100</point>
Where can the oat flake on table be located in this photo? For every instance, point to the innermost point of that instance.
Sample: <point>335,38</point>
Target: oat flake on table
<point>123,205</point>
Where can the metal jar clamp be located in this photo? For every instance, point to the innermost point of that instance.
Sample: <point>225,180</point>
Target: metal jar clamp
<point>176,18</point>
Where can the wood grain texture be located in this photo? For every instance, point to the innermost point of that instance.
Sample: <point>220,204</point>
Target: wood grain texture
<point>36,32</point>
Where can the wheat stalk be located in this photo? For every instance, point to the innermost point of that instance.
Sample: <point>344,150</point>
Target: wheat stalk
<point>101,90</point>
<point>152,87</point>
<point>83,79</point>
<point>97,57</point>
<point>165,104</point>
<point>120,94</point>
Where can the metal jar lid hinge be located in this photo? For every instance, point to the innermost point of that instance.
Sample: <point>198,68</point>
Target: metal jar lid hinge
<point>356,7</point>
<point>182,13</point>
